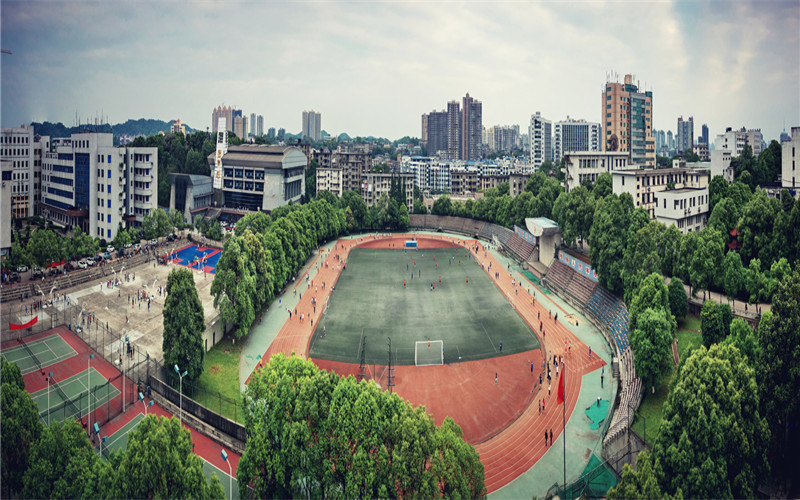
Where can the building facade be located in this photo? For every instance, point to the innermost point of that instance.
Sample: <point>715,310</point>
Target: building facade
<point>435,132</point>
<point>312,125</point>
<point>471,128</point>
<point>627,117</point>
<point>261,178</point>
<point>541,134</point>
<point>87,182</point>
<point>190,194</point>
<point>646,185</point>
<point>240,126</point>
<point>685,137</point>
<point>259,125</point>
<point>735,141</point>
<point>686,209</point>
<point>790,160</point>
<point>24,150</point>
<point>704,134</point>
<point>6,171</point>
<point>229,113</point>
<point>574,135</point>
<point>178,127</point>
<point>583,167</point>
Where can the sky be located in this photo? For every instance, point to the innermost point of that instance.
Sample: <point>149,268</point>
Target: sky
<point>372,68</point>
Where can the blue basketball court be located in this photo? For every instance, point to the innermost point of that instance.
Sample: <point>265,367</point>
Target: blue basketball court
<point>197,257</point>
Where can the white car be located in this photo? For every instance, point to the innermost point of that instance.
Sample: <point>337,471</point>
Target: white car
<point>22,269</point>
<point>110,249</point>
<point>82,264</point>
<point>90,261</point>
<point>154,241</point>
<point>128,245</point>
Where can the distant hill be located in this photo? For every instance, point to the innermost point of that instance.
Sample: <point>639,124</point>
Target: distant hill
<point>142,126</point>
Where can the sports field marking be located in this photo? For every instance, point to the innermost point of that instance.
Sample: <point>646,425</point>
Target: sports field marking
<point>48,345</point>
<point>209,468</point>
<point>489,336</point>
<point>119,439</point>
<point>74,387</point>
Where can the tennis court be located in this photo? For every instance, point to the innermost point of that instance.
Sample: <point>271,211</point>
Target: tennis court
<point>119,440</point>
<point>69,398</point>
<point>32,356</point>
<point>370,301</point>
<point>197,257</point>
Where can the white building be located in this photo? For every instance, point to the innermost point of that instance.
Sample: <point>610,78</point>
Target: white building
<point>23,149</point>
<point>686,208</point>
<point>575,135</point>
<point>429,173</point>
<point>721,164</point>
<point>586,166</point>
<point>735,140</point>
<point>790,160</point>
<point>312,125</point>
<point>646,185</point>
<point>540,132</point>
<point>88,182</point>
<point>6,171</point>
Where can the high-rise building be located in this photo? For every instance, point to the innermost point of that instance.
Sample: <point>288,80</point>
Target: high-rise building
<point>312,125</point>
<point>670,142</point>
<point>502,138</point>
<point>281,133</point>
<point>87,182</point>
<point>453,130</point>
<point>704,134</point>
<point>252,124</point>
<point>540,132</point>
<point>575,135</point>
<point>790,162</point>
<point>685,137</point>
<point>222,112</point>
<point>436,132</point>
<point>259,125</point>
<point>471,128</point>
<point>240,125</point>
<point>271,133</point>
<point>628,116</point>
<point>23,150</point>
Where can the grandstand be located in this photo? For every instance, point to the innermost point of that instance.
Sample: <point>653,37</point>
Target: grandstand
<point>613,313</point>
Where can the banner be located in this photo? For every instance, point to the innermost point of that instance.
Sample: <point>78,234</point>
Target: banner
<point>23,326</point>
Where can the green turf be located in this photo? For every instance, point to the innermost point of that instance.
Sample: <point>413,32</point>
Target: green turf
<point>48,351</point>
<point>688,341</point>
<point>370,301</point>
<point>597,413</point>
<point>75,389</point>
<point>221,377</point>
<point>650,411</point>
<point>690,322</point>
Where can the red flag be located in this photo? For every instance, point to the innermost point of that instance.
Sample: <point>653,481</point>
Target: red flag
<point>560,397</point>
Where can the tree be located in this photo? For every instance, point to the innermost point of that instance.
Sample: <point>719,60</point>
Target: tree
<point>712,323</point>
<point>733,273</point>
<point>651,342</point>
<point>670,243</point>
<point>176,220</point>
<point>707,259</point>
<point>641,256</point>
<point>641,483</point>
<point>44,247</point>
<point>779,370</point>
<point>607,240</point>
<point>441,206</point>
<point>717,190</point>
<point>311,178</point>
<point>62,462</point>
<point>603,186</point>
<point>82,245</point>
<point>20,426</point>
<point>712,442</point>
<point>184,324</point>
<point>678,301</point>
<point>403,219</point>
<point>745,339</point>
<point>756,284</point>
<point>574,212</point>
<point>155,224</point>
<point>419,207</point>
<point>159,463</point>
<point>724,217</point>
<point>755,228</point>
<point>196,163</point>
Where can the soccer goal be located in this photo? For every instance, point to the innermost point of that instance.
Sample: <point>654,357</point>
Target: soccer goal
<point>429,353</point>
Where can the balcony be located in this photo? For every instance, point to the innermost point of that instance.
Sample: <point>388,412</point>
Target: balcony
<point>122,181</point>
<point>122,195</point>
<point>147,205</point>
<point>143,178</point>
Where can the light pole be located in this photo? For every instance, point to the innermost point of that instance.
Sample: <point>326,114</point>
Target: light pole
<point>180,407</point>
<point>49,376</point>
<point>103,440</point>
<point>147,405</point>
<point>89,390</point>
<point>230,475</point>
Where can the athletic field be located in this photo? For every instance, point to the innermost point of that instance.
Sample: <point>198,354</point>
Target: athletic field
<point>370,302</point>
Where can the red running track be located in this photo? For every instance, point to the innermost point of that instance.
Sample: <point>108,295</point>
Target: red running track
<point>508,429</point>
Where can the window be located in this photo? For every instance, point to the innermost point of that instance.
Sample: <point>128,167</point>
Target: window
<point>109,218</point>
<point>109,188</point>
<point>109,158</point>
<point>109,203</point>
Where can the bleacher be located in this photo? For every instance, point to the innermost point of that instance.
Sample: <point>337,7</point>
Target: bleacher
<point>521,248</point>
<point>629,398</point>
<point>446,223</point>
<point>612,312</point>
<point>580,287</point>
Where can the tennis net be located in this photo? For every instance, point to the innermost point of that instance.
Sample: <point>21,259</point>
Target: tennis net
<point>70,402</point>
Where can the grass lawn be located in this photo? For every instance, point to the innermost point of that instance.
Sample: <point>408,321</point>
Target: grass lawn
<point>220,379</point>
<point>688,341</point>
<point>690,322</point>
<point>651,409</point>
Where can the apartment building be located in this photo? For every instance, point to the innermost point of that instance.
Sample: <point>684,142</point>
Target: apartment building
<point>574,135</point>
<point>312,125</point>
<point>685,137</point>
<point>87,182</point>
<point>735,140</point>
<point>646,185</point>
<point>464,182</point>
<point>790,161</point>
<point>6,171</point>
<point>23,150</point>
<point>583,167</point>
<point>541,134</point>
<point>375,184</point>
<point>516,182</point>
<point>628,117</point>
<point>686,209</point>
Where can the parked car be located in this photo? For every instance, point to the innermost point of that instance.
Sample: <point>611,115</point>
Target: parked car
<point>90,261</point>
<point>110,249</point>
<point>128,245</point>
<point>36,274</point>
<point>13,277</point>
<point>154,241</point>
<point>107,255</point>
<point>82,264</point>
<point>52,271</point>
<point>172,237</point>
<point>22,269</point>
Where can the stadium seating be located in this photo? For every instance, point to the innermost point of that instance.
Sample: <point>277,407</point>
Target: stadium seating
<point>520,247</point>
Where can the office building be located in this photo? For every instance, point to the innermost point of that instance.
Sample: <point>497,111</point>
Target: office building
<point>252,124</point>
<point>701,148</point>
<point>434,133</point>
<point>178,127</point>
<point>574,135</point>
<point>471,128</point>
<point>627,117</point>
<point>312,125</point>
<point>541,134</point>
<point>240,126</point>
<point>6,183</point>
<point>190,194</point>
<point>583,167</point>
<point>281,134</point>
<point>790,161</point>
<point>259,125</point>
<point>230,114</point>
<point>685,137</point>
<point>704,134</point>
<point>23,150</point>
<point>87,182</point>
<point>259,177</point>
<point>646,185</point>
<point>735,140</point>
<point>686,208</point>
<point>670,143</point>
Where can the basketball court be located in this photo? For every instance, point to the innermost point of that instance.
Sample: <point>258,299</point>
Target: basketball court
<point>197,257</point>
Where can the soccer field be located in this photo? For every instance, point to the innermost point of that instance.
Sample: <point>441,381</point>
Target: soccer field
<point>370,301</point>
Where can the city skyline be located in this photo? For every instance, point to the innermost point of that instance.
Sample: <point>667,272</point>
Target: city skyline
<point>280,59</point>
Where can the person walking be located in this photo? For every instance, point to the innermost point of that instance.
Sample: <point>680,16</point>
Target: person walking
<point>495,378</point>
<point>548,388</point>
<point>551,436</point>
<point>545,438</point>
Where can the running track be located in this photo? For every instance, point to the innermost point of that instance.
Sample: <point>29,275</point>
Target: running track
<point>517,442</point>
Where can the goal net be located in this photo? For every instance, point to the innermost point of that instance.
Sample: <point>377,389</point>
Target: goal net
<point>429,353</point>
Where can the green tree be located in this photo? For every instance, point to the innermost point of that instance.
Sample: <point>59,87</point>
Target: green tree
<point>706,259</point>
<point>62,463</point>
<point>45,247</point>
<point>20,428</point>
<point>642,256</point>
<point>779,370</point>
<point>755,228</point>
<point>419,207</point>
<point>712,323</point>
<point>176,220</point>
<point>733,274</point>
<point>311,178</point>
<point>257,222</point>
<point>724,217</point>
<point>159,462</point>
<point>652,294</point>
<point>745,339</point>
<point>82,245</point>
<point>196,163</point>
<point>607,240</point>
<point>756,284</point>
<point>712,443</point>
<point>670,244</point>
<point>641,483</point>
<point>651,342</point>
<point>678,301</point>
<point>603,185</point>
<point>184,324</point>
<point>155,224</point>
<point>441,206</point>
<point>403,219</point>
<point>574,212</point>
